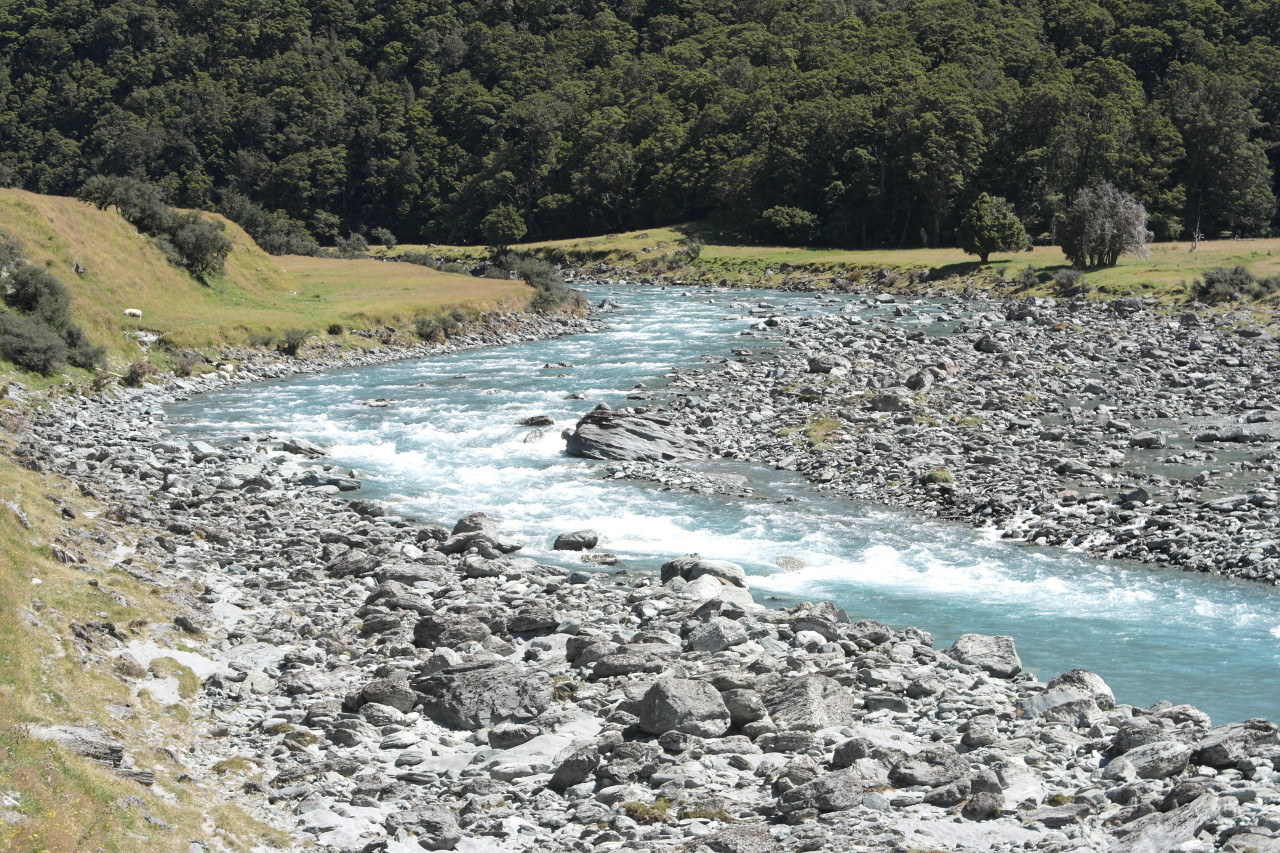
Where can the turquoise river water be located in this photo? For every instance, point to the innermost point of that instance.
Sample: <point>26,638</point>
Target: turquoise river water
<point>447,443</point>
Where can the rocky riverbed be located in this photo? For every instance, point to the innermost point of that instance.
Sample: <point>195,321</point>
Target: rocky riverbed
<point>1109,427</point>
<point>397,684</point>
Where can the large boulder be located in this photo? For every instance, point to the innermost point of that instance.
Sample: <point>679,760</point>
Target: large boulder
<point>1160,759</point>
<point>449,630</point>
<point>684,705</point>
<point>995,655</point>
<point>605,434</point>
<point>480,695</point>
<point>691,567</point>
<point>582,540</point>
<point>836,365</point>
<point>834,792</point>
<point>934,767</point>
<point>1225,745</point>
<point>810,703</point>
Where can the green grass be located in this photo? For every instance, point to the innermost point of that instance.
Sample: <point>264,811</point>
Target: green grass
<point>257,294</point>
<point>1167,272</point>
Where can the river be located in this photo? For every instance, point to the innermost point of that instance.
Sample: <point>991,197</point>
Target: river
<point>446,443</point>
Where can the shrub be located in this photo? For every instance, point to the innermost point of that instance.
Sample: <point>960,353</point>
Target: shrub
<point>939,477</point>
<point>351,246</point>
<point>384,237</point>
<point>275,232</point>
<point>1221,284</point>
<point>81,352</point>
<point>990,225</point>
<point>545,279</point>
<point>1026,277</point>
<point>334,329</point>
<point>1069,283</point>
<point>10,253</point>
<point>791,224</point>
<point>187,239</point>
<point>35,291</point>
<point>502,226</point>
<point>186,362</point>
<point>430,328</point>
<point>31,344</point>
<point>201,245</point>
<point>291,341</point>
<point>137,373</point>
<point>261,339</point>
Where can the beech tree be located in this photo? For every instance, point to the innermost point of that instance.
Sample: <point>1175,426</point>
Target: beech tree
<point>990,225</point>
<point>1101,224</point>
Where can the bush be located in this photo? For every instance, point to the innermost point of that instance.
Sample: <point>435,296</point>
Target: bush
<point>384,237</point>
<point>35,291</point>
<point>791,224</point>
<point>200,243</point>
<point>186,362</point>
<point>1069,283</point>
<point>10,253</point>
<point>81,352</point>
<point>430,328</point>
<point>137,373</point>
<point>1221,284</point>
<point>261,339</point>
<point>32,344</point>
<point>335,329</point>
<point>502,226</point>
<point>940,477</point>
<point>991,225</point>
<point>1026,277</point>
<point>545,279</point>
<point>291,341</point>
<point>351,246</point>
<point>275,232</point>
<point>188,239</point>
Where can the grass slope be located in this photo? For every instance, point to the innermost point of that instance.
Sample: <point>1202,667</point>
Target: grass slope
<point>258,293</point>
<point>52,801</point>
<point>1168,271</point>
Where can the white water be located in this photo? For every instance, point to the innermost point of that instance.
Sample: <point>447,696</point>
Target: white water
<point>448,444</point>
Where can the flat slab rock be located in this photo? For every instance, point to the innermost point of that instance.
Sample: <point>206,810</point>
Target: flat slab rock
<point>606,434</point>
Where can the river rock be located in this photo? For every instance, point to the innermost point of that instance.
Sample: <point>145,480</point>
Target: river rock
<point>834,792</point>
<point>684,705</point>
<point>934,767</point>
<point>606,434</point>
<point>1226,745</point>
<point>476,696</point>
<point>1158,760</point>
<point>582,540</point>
<point>810,703</point>
<point>996,655</point>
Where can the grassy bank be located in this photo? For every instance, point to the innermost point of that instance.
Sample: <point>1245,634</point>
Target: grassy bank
<point>258,293</point>
<point>52,801</point>
<point>1168,271</point>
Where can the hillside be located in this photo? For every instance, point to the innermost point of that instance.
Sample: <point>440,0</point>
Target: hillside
<point>257,294</point>
<point>850,123</point>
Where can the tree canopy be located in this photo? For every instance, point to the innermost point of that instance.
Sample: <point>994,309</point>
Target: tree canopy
<point>840,122</point>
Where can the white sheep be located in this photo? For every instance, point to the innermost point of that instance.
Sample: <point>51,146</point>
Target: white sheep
<point>133,312</point>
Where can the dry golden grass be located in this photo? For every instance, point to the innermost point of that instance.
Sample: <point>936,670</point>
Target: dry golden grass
<point>258,293</point>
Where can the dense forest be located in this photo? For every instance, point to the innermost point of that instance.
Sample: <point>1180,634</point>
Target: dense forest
<point>842,122</point>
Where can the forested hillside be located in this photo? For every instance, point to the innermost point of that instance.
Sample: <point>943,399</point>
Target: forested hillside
<point>843,122</point>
